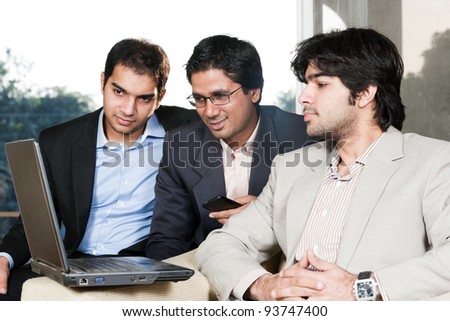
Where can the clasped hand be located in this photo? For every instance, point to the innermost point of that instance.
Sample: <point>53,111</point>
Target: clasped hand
<point>327,282</point>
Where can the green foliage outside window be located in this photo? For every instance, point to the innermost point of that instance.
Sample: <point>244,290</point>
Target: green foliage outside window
<point>24,113</point>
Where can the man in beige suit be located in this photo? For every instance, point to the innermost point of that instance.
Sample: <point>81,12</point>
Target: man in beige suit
<point>365,215</point>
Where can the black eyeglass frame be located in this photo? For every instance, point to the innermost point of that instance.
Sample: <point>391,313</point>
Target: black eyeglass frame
<point>200,101</point>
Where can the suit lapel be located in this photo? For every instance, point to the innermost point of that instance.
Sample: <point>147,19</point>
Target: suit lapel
<point>83,155</point>
<point>299,207</point>
<point>377,172</point>
<point>302,197</point>
<point>210,167</point>
<point>262,154</point>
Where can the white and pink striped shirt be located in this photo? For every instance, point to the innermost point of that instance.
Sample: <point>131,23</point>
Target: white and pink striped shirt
<point>326,221</point>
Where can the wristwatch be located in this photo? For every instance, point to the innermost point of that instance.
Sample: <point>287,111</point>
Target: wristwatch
<point>365,287</point>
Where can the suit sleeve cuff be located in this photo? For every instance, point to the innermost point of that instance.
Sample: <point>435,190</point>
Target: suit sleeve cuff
<point>242,286</point>
<point>383,294</point>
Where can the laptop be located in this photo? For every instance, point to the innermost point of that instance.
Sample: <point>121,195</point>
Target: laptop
<point>48,255</point>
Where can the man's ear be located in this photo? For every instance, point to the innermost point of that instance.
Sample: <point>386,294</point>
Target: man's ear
<point>102,82</point>
<point>367,96</point>
<point>161,94</point>
<point>255,94</point>
<point>160,97</point>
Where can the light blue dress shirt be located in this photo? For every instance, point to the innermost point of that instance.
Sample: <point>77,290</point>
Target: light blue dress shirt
<point>124,191</point>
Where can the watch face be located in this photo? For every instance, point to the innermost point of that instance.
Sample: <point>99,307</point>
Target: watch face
<point>365,289</point>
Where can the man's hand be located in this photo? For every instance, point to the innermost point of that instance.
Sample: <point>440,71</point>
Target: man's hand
<point>4,275</point>
<point>223,216</point>
<point>285,286</point>
<point>338,283</point>
<point>328,282</point>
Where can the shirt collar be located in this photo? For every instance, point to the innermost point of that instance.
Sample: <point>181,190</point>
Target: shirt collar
<point>152,129</point>
<point>359,161</point>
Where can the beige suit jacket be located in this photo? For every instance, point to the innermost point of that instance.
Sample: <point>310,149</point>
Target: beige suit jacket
<point>397,225</point>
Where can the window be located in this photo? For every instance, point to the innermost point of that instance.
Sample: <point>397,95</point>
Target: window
<point>65,45</point>
<point>67,52</point>
<point>421,31</point>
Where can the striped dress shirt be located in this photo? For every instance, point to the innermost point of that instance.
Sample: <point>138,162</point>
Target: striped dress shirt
<point>323,230</point>
<point>322,233</point>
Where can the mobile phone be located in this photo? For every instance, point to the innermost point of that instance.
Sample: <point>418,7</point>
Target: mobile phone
<point>220,203</point>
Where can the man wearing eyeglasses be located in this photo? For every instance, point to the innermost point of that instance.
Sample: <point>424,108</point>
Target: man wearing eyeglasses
<point>228,154</point>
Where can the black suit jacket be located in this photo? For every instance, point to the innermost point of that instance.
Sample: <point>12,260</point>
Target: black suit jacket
<point>69,151</point>
<point>191,172</point>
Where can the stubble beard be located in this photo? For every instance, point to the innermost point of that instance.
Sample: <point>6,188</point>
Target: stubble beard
<point>339,127</point>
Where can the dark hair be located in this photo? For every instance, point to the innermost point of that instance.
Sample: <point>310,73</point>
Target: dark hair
<point>359,58</point>
<point>238,59</point>
<point>144,57</point>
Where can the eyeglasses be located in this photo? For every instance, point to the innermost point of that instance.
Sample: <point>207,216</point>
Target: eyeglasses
<point>216,99</point>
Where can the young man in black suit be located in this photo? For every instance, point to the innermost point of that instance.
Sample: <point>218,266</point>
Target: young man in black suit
<point>102,166</point>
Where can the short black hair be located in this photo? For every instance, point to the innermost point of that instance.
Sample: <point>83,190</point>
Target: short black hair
<point>238,59</point>
<point>143,57</point>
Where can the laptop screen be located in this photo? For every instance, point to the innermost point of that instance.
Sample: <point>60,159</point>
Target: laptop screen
<point>35,203</point>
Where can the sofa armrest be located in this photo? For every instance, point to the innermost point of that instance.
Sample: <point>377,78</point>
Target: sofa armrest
<point>196,288</point>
